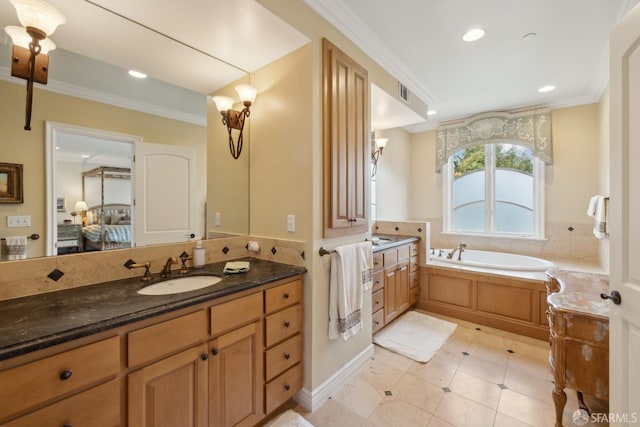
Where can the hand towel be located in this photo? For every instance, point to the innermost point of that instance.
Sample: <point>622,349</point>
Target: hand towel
<point>351,274</point>
<point>591,209</point>
<point>600,217</point>
<point>16,247</point>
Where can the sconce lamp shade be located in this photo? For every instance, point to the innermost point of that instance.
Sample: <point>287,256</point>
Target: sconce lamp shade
<point>38,14</point>
<point>381,142</point>
<point>223,103</point>
<point>81,205</point>
<point>247,93</point>
<point>21,38</point>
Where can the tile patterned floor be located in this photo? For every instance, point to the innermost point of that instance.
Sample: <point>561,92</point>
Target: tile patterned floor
<point>480,377</point>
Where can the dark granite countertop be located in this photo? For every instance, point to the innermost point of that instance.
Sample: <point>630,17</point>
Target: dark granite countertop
<point>35,322</point>
<point>388,241</point>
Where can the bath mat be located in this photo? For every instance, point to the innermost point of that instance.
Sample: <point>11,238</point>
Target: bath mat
<point>415,335</point>
<point>289,418</point>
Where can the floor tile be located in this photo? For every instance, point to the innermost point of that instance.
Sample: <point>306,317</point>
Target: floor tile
<point>462,412</point>
<point>476,389</point>
<point>332,414</point>
<point>359,396</point>
<point>484,369</point>
<point>398,413</point>
<point>435,372</point>
<point>527,409</point>
<point>418,392</point>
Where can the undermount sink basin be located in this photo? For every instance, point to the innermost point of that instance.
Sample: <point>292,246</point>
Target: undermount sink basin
<point>180,285</point>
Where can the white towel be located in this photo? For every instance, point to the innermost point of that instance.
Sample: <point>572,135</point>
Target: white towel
<point>600,217</point>
<point>16,247</point>
<point>351,274</point>
<point>591,209</point>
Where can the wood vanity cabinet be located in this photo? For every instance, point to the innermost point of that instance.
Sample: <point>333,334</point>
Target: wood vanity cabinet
<point>201,366</point>
<point>395,283</point>
<point>346,148</point>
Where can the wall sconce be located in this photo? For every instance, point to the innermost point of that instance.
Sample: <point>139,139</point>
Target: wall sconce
<point>81,207</point>
<point>233,119</point>
<point>380,143</point>
<point>29,59</point>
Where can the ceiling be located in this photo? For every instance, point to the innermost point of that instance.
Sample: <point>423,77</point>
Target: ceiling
<point>203,45</point>
<point>420,43</point>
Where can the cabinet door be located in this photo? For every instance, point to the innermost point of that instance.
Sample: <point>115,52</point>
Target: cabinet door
<point>171,392</point>
<point>390,295</point>
<point>402,286</point>
<point>346,143</point>
<point>235,387</point>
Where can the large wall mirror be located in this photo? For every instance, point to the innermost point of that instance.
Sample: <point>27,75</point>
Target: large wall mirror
<point>90,98</point>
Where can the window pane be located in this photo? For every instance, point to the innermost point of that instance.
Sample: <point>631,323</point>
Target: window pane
<point>468,188</point>
<point>468,160</point>
<point>469,217</point>
<point>516,157</point>
<point>513,219</point>
<point>515,187</point>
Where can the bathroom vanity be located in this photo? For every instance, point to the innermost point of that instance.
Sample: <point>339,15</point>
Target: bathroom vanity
<point>579,324</point>
<point>396,279</point>
<point>104,355</point>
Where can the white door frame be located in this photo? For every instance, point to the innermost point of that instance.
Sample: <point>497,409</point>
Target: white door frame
<point>52,132</point>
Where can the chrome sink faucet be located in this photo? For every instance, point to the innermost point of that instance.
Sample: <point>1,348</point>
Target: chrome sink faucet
<point>460,249</point>
<point>166,270</point>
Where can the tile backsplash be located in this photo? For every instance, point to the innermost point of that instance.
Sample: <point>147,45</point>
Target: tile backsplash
<point>33,276</point>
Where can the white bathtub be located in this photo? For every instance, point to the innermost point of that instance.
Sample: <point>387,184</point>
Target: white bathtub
<point>494,262</point>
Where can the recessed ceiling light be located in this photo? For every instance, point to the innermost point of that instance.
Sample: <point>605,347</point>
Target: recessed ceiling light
<point>431,112</point>
<point>547,88</point>
<point>137,74</point>
<point>85,156</point>
<point>473,35</point>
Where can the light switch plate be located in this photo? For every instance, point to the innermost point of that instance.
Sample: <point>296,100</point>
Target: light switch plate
<point>18,220</point>
<point>217,219</point>
<point>291,223</point>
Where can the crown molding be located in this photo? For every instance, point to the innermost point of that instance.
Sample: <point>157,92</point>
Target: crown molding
<point>109,99</point>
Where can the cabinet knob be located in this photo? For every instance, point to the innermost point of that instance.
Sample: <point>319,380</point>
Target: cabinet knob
<point>377,302</point>
<point>214,351</point>
<point>65,375</point>
<point>286,324</point>
<point>287,356</point>
<point>615,297</point>
<point>204,356</point>
<point>286,296</point>
<point>287,387</point>
<point>377,322</point>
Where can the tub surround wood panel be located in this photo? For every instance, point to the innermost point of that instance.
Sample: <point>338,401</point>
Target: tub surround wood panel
<point>500,302</point>
<point>579,324</point>
<point>178,379</point>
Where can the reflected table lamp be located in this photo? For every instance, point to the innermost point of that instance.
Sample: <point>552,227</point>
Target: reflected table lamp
<point>81,208</point>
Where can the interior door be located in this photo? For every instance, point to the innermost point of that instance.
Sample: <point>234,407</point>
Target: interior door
<point>165,202</point>
<point>624,220</point>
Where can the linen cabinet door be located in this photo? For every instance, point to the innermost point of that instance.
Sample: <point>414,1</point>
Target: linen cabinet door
<point>402,287</point>
<point>390,295</point>
<point>236,370</point>
<point>171,392</point>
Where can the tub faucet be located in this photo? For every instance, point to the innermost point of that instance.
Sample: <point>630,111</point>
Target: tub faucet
<point>166,271</point>
<point>460,249</point>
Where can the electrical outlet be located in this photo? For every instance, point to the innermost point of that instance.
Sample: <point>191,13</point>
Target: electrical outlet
<point>217,220</point>
<point>18,220</point>
<point>291,223</point>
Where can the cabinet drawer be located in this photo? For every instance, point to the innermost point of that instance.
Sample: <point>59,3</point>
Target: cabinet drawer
<point>378,281</point>
<point>413,264</point>
<point>413,249</point>
<point>282,296</point>
<point>283,356</point>
<point>99,407</point>
<point>403,252</point>
<point>283,388</point>
<point>36,382</point>
<point>413,280</point>
<point>377,261</point>
<point>283,324</point>
<point>235,313</point>
<point>163,338</point>
<point>389,257</point>
<point>377,321</point>
<point>377,300</point>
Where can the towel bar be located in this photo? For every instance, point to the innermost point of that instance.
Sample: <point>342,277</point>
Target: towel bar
<point>324,251</point>
<point>34,236</point>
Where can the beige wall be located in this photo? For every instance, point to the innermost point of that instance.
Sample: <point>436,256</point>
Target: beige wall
<point>604,171</point>
<point>393,176</point>
<point>28,147</point>
<point>577,174</point>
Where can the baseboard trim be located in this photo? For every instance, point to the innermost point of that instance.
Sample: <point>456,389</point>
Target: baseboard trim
<point>312,400</point>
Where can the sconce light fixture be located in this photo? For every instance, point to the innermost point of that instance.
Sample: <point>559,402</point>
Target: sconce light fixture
<point>380,143</point>
<point>29,59</point>
<point>233,119</point>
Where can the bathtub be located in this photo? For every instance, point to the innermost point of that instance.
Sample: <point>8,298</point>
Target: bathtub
<point>491,260</point>
<point>500,290</point>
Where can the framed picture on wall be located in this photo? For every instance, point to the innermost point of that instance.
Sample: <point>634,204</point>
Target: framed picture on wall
<point>10,183</point>
<point>61,204</point>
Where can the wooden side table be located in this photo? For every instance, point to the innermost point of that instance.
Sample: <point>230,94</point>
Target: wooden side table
<point>69,238</point>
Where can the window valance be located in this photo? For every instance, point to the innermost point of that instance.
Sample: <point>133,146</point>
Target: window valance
<point>531,129</point>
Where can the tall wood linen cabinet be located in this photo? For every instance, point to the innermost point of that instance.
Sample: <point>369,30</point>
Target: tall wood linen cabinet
<point>346,130</point>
